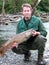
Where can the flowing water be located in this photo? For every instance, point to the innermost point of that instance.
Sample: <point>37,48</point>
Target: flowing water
<point>6,31</point>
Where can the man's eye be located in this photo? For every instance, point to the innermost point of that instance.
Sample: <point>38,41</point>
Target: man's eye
<point>27,10</point>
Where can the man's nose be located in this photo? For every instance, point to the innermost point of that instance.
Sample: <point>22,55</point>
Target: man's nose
<point>26,11</point>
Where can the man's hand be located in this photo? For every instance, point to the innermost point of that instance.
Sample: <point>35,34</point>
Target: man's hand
<point>13,45</point>
<point>34,33</point>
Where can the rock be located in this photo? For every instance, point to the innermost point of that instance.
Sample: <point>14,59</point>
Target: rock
<point>10,18</point>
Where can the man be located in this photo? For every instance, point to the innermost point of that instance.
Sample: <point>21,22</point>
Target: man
<point>37,40</point>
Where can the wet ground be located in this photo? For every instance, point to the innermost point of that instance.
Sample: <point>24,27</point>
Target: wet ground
<point>11,58</point>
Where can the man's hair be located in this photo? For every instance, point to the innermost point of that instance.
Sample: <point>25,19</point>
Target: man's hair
<point>26,5</point>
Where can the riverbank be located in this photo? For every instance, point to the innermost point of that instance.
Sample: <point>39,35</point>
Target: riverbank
<point>10,18</point>
<point>11,58</point>
<point>43,16</point>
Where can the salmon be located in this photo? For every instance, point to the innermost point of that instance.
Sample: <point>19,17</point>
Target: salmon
<point>18,38</point>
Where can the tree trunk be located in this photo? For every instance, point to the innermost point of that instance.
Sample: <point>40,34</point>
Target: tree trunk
<point>36,2</point>
<point>3,9</point>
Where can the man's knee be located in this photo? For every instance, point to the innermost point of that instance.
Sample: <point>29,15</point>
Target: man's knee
<point>17,50</point>
<point>40,42</point>
<point>41,39</point>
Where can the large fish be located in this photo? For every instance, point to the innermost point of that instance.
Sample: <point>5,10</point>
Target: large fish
<point>18,38</point>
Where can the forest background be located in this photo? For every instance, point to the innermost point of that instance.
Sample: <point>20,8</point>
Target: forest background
<point>14,6</point>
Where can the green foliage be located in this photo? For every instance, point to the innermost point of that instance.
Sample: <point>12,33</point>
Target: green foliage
<point>13,6</point>
<point>0,6</point>
<point>44,5</point>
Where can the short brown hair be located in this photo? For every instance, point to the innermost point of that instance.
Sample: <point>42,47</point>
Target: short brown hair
<point>27,5</point>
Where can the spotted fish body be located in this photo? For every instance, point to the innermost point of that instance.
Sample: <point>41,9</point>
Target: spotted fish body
<point>18,38</point>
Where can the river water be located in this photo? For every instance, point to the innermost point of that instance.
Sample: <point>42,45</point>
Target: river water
<point>6,31</point>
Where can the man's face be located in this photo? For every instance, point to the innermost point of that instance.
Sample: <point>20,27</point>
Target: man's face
<point>27,12</point>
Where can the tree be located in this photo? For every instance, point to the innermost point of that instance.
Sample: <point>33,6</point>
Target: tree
<point>3,10</point>
<point>13,6</point>
<point>44,5</point>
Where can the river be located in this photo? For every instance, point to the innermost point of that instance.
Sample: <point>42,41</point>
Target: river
<point>6,31</point>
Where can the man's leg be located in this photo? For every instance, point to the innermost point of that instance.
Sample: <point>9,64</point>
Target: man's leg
<point>23,49</point>
<point>29,44</point>
<point>40,45</point>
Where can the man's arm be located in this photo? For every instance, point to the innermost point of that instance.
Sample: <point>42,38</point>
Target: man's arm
<point>42,29</point>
